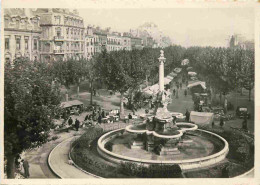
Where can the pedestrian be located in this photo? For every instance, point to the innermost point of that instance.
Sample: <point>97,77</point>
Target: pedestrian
<point>200,108</point>
<point>212,124</point>
<point>70,121</point>
<point>77,123</point>
<point>94,92</point>
<point>130,116</point>
<point>174,91</point>
<point>187,114</point>
<point>185,92</point>
<point>103,114</point>
<point>86,117</point>
<point>99,119</point>
<point>244,123</point>
<point>26,168</point>
<point>221,121</point>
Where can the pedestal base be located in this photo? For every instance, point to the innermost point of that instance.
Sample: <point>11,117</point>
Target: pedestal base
<point>187,142</point>
<point>169,151</point>
<point>137,145</point>
<point>150,146</point>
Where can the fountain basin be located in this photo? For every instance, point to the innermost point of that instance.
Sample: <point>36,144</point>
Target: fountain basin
<point>142,157</point>
<point>185,126</point>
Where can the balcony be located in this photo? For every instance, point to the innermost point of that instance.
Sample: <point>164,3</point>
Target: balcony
<point>58,51</point>
<point>59,38</point>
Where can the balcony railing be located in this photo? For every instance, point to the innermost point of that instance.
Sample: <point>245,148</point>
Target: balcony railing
<point>58,51</point>
<point>58,38</point>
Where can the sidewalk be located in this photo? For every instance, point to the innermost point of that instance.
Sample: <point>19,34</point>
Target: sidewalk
<point>58,161</point>
<point>37,158</point>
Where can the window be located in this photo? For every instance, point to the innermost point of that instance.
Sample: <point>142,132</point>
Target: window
<point>18,43</point>
<point>35,43</point>
<point>7,59</point>
<point>7,43</point>
<point>26,44</point>
<point>58,32</point>
<point>57,19</point>
<point>17,24</point>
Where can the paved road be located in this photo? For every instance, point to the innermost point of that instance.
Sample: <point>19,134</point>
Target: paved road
<point>58,161</point>
<point>37,158</point>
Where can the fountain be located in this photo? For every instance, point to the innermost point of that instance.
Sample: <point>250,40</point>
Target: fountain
<point>160,140</point>
<point>166,133</point>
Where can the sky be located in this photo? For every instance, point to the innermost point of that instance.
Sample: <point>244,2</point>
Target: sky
<point>186,27</point>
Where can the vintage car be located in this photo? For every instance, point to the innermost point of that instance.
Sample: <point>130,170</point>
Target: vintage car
<point>241,112</point>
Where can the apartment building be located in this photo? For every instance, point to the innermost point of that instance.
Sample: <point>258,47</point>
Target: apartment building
<point>114,42</point>
<point>100,40</point>
<point>22,33</point>
<point>89,43</point>
<point>62,34</point>
<point>136,43</point>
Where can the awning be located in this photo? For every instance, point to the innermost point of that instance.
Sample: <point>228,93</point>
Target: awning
<point>177,70</point>
<point>167,81</point>
<point>170,77</point>
<point>189,68</point>
<point>76,102</point>
<point>185,62</point>
<point>192,73</point>
<point>155,88</point>
<point>70,103</point>
<point>65,105</point>
<point>172,74</point>
<point>202,84</point>
<point>201,117</point>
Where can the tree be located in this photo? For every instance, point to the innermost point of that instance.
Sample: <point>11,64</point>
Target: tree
<point>92,74</point>
<point>69,72</point>
<point>31,100</point>
<point>248,69</point>
<point>121,71</point>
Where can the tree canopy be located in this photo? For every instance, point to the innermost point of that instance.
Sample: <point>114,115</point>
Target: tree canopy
<point>31,100</point>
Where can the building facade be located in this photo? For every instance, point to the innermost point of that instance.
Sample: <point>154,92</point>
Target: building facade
<point>62,34</point>
<point>136,43</point>
<point>22,34</point>
<point>114,42</point>
<point>237,41</point>
<point>126,43</point>
<point>89,43</point>
<point>100,41</point>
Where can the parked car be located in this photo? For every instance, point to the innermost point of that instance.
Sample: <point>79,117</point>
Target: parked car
<point>241,112</point>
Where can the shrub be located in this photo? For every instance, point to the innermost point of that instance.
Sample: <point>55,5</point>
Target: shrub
<point>152,171</point>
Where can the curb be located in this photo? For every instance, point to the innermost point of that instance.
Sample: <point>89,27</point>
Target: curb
<point>81,168</point>
<point>246,173</point>
<point>252,169</point>
<point>76,166</point>
<point>49,161</point>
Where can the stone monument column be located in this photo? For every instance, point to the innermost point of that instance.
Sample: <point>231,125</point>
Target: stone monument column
<point>161,74</point>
